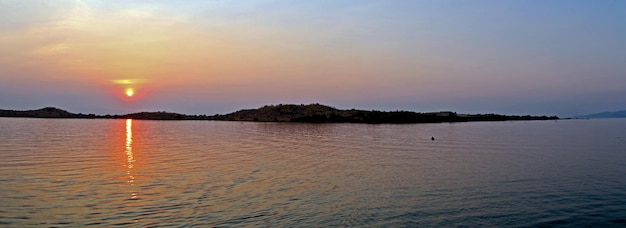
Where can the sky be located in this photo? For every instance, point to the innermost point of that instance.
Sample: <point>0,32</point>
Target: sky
<point>557,57</point>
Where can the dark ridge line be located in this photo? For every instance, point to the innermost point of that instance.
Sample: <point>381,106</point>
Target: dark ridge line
<point>312,113</point>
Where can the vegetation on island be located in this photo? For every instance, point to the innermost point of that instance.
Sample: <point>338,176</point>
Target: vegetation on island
<point>312,113</point>
<point>52,112</point>
<point>316,113</point>
<point>48,112</point>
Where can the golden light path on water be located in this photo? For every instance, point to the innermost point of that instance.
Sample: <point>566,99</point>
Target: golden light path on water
<point>129,155</point>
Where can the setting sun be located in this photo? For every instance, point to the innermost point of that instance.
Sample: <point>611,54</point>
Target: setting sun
<point>130,92</point>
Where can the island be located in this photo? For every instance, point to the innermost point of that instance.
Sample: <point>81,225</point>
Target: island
<point>311,113</point>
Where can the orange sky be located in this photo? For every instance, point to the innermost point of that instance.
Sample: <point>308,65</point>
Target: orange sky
<point>220,56</point>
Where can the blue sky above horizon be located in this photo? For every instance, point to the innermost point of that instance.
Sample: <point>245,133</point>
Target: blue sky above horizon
<point>207,57</point>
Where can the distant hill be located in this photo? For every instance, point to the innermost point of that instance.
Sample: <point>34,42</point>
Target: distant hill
<point>51,112</point>
<point>617,114</point>
<point>312,113</point>
<point>281,113</point>
<point>160,116</point>
<point>317,113</point>
<point>48,112</point>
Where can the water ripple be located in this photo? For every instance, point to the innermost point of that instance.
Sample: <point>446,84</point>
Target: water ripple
<point>103,173</point>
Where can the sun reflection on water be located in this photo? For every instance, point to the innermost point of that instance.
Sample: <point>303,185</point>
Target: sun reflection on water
<point>129,155</point>
<point>129,143</point>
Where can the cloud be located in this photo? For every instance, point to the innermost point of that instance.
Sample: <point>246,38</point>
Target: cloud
<point>73,36</point>
<point>128,81</point>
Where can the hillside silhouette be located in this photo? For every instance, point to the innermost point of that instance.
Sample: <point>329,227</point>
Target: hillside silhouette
<point>312,113</point>
<point>316,113</point>
<point>48,112</point>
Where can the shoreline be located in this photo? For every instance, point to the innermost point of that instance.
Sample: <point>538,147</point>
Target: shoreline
<point>312,113</point>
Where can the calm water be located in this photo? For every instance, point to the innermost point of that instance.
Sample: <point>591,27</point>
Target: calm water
<point>56,172</point>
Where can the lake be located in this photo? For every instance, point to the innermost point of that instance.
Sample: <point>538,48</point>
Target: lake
<point>81,172</point>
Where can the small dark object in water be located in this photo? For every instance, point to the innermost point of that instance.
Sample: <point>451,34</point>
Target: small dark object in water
<point>432,138</point>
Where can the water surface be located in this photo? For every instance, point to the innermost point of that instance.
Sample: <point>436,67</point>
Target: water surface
<point>76,172</point>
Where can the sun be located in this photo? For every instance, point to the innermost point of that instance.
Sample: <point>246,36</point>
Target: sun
<point>130,92</point>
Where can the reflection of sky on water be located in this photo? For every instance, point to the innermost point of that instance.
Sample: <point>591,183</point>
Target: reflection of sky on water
<point>77,173</point>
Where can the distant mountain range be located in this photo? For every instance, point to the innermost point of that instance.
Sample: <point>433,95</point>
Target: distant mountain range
<point>312,113</point>
<point>616,114</point>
